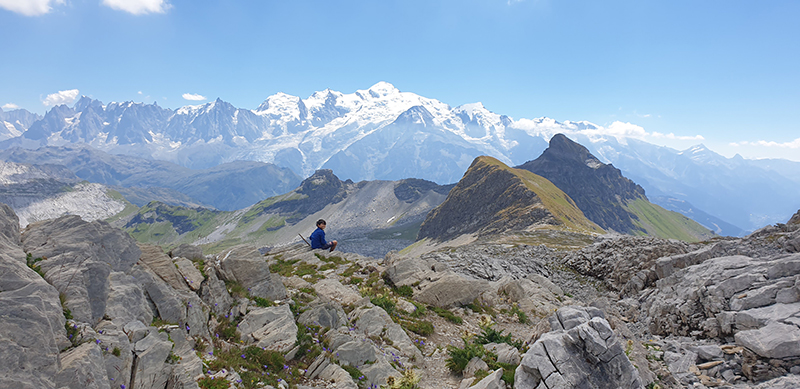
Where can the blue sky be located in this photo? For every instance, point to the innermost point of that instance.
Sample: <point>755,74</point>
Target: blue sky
<point>726,71</point>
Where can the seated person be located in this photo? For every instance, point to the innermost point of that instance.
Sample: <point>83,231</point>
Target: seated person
<point>318,237</point>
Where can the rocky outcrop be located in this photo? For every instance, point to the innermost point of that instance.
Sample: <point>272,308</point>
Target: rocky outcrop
<point>605,196</point>
<point>245,264</point>
<point>492,198</point>
<point>582,351</point>
<point>795,219</point>
<point>598,189</point>
<point>32,323</point>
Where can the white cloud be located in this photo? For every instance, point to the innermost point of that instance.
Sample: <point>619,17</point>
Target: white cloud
<point>10,106</point>
<point>29,7</point>
<point>138,7</point>
<point>139,93</point>
<point>795,144</point>
<point>676,137</point>
<point>60,97</point>
<point>193,97</point>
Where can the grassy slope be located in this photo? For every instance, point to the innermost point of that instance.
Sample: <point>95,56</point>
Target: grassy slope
<point>560,205</point>
<point>665,224</point>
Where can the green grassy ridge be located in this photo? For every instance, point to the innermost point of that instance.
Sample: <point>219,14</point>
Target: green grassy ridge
<point>554,199</point>
<point>129,209</point>
<point>665,224</point>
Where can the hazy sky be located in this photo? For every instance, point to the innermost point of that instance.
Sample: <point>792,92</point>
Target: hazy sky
<point>726,71</point>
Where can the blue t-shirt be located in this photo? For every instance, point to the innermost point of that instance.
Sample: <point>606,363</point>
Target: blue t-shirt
<point>317,239</point>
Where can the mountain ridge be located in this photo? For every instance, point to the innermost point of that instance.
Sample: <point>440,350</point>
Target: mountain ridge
<point>353,133</point>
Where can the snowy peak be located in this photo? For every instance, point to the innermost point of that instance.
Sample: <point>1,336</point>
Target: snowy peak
<point>283,106</point>
<point>381,89</point>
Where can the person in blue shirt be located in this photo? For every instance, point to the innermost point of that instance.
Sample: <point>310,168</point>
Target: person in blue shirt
<point>318,237</point>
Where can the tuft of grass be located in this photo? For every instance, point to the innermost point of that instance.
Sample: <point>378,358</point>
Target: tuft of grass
<point>420,327</point>
<point>210,383</point>
<point>521,316</point>
<point>236,289</point>
<point>284,268</point>
<point>449,316</point>
<point>385,302</point>
<point>32,263</point>
<point>354,372</point>
<point>404,291</point>
<point>491,335</point>
<point>116,352</point>
<point>226,330</point>
<point>459,357</point>
<point>262,302</point>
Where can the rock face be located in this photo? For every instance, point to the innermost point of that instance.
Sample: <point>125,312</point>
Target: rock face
<point>795,219</point>
<point>582,352</point>
<point>605,196</point>
<point>32,322</point>
<point>246,265</point>
<point>492,198</point>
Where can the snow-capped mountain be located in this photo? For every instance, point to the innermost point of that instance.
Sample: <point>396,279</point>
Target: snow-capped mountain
<point>14,122</point>
<point>385,133</point>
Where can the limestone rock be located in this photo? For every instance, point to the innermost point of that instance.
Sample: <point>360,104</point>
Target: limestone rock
<point>334,290</point>
<point>775,340</point>
<point>339,376</point>
<point>160,265</point>
<point>451,290</point>
<point>189,272</point>
<point>117,349</point>
<point>246,265</point>
<point>374,321</point>
<point>32,323</point>
<point>151,371</point>
<point>409,271</point>
<point>190,252</point>
<point>75,240</point>
<point>126,300</point>
<point>473,366</point>
<point>273,328</point>
<point>326,314</point>
<point>82,367</point>
<point>586,352</point>
<point>492,381</point>
<point>215,294</point>
<point>356,353</point>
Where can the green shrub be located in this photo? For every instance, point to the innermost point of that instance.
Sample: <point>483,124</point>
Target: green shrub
<point>226,330</point>
<point>459,357</point>
<point>420,327</point>
<point>446,314</point>
<point>262,302</point>
<point>210,383</point>
<point>384,302</point>
<point>490,335</point>
<point>354,372</point>
<point>404,291</point>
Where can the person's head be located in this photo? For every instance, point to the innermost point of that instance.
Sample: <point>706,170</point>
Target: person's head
<point>321,223</point>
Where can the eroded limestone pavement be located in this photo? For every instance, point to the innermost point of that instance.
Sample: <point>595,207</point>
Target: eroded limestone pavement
<point>82,305</point>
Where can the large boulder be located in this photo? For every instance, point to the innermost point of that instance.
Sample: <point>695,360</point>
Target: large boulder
<point>82,368</point>
<point>583,352</point>
<point>78,257</point>
<point>451,290</point>
<point>245,264</point>
<point>273,328</point>
<point>32,321</point>
<point>724,295</point>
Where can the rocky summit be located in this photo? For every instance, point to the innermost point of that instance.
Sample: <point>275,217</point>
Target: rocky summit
<point>493,198</point>
<point>605,196</point>
<point>84,305</point>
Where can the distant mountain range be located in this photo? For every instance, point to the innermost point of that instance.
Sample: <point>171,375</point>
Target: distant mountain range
<point>383,133</point>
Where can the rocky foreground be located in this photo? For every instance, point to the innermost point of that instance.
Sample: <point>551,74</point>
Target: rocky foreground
<point>82,305</point>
